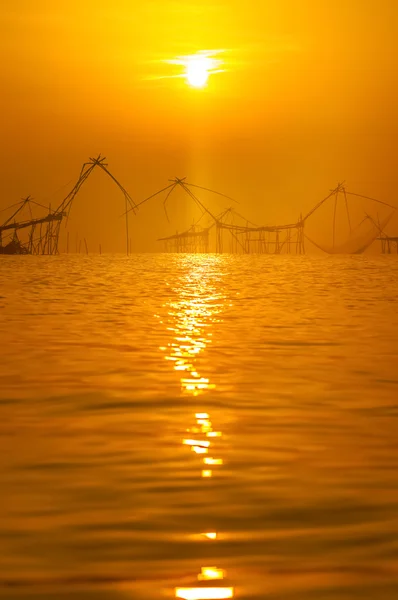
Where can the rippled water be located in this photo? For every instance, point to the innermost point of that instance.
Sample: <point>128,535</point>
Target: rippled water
<point>148,401</point>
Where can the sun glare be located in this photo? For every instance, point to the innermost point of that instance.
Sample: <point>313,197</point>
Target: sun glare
<point>198,67</point>
<point>198,70</point>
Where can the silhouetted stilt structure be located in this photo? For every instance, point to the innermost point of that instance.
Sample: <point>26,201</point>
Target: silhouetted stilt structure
<point>243,237</point>
<point>387,244</point>
<point>248,238</point>
<point>43,232</point>
<point>193,241</point>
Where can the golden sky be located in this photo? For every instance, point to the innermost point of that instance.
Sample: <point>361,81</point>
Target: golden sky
<point>307,97</point>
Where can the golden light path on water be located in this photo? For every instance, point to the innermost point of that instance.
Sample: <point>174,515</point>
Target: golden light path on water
<point>191,316</point>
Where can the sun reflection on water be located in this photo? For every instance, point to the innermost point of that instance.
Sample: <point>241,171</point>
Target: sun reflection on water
<point>204,593</point>
<point>202,426</point>
<point>190,318</point>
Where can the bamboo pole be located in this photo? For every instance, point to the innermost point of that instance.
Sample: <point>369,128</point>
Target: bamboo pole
<point>85,243</point>
<point>40,244</point>
<point>127,227</point>
<point>57,229</point>
<point>334,218</point>
<point>50,232</point>
<point>347,210</point>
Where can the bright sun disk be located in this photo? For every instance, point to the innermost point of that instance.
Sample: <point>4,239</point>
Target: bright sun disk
<point>198,70</point>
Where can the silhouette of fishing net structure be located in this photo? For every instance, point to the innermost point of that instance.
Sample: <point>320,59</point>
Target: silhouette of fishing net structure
<point>11,230</point>
<point>355,244</point>
<point>43,232</point>
<point>193,241</point>
<point>243,236</point>
<point>359,238</point>
<point>246,237</point>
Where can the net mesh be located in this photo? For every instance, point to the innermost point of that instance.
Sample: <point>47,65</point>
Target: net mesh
<point>357,244</point>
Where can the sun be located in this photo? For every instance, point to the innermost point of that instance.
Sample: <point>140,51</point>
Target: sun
<point>196,68</point>
<point>197,71</point>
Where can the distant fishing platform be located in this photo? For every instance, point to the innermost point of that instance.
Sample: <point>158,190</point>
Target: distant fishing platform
<point>234,233</point>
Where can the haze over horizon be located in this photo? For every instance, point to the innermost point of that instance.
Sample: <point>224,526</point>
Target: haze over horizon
<point>305,98</point>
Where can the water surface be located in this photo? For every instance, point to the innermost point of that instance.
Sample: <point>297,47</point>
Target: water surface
<point>280,374</point>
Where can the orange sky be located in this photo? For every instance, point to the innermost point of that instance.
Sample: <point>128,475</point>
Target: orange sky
<point>308,98</point>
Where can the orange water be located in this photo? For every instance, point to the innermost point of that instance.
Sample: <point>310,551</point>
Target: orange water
<point>148,401</point>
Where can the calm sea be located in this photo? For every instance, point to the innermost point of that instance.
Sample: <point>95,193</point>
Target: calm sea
<point>163,416</point>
